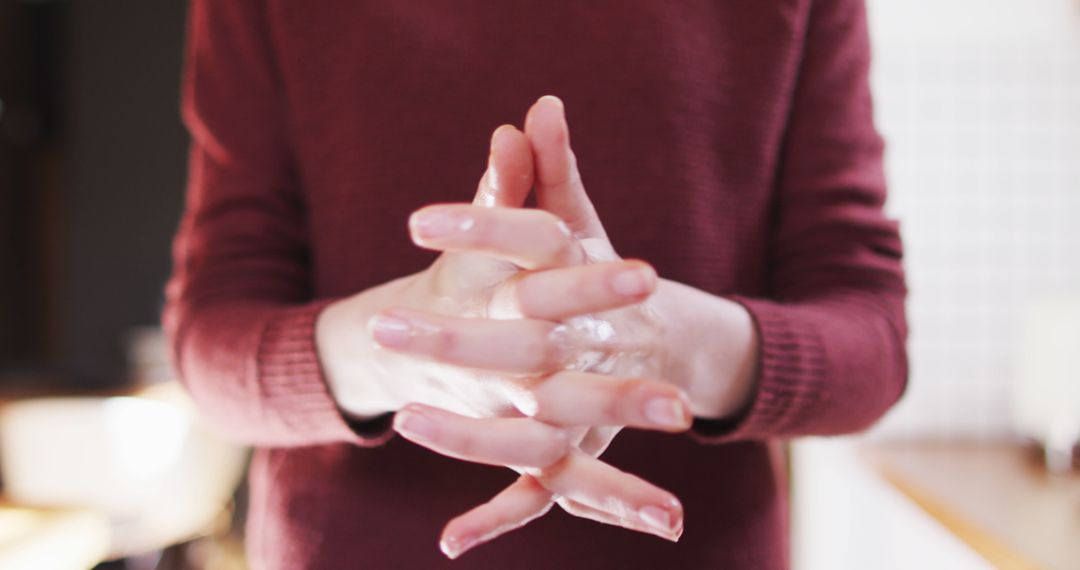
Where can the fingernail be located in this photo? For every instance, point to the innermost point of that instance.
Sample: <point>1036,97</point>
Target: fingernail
<point>494,179</point>
<point>633,282</point>
<point>666,412</point>
<point>453,547</point>
<point>436,224</point>
<point>557,103</point>
<point>658,518</point>
<point>554,100</point>
<point>391,331</point>
<point>498,133</point>
<point>415,425</point>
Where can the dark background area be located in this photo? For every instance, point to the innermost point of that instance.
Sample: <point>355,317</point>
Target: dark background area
<point>92,167</point>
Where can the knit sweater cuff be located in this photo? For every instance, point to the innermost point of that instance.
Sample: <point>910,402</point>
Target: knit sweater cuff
<point>790,374</point>
<point>295,389</point>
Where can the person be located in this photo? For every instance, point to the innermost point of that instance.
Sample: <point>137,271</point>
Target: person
<point>710,256</point>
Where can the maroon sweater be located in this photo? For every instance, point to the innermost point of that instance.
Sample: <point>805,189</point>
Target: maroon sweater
<point>729,143</point>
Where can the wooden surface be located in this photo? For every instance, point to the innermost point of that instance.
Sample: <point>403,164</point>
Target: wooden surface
<point>994,496</point>
<point>51,538</point>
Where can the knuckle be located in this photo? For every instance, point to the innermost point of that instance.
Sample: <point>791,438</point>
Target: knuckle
<point>566,250</point>
<point>557,243</point>
<point>569,175</point>
<point>460,443</point>
<point>556,447</point>
<point>555,472</point>
<point>582,286</point>
<point>622,405</point>
<point>542,351</point>
<point>445,343</point>
<point>482,231</point>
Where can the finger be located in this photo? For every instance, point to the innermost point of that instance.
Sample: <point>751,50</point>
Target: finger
<point>518,442</point>
<point>525,500</point>
<point>600,516</point>
<point>509,175</point>
<point>520,346</point>
<point>514,507</point>
<point>506,182</point>
<point>597,440</point>
<point>557,294</point>
<point>559,189</point>
<point>572,398</point>
<point>599,486</point>
<point>530,238</point>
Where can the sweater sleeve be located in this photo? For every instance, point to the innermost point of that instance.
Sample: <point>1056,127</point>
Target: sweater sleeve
<point>832,328</point>
<point>239,311</point>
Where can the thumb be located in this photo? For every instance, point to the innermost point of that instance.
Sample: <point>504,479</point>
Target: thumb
<point>558,183</point>
<point>509,175</point>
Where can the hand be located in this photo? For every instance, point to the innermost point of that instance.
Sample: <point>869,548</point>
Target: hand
<point>482,325</point>
<point>634,351</point>
<point>496,322</point>
<point>669,333</point>
<point>631,331</point>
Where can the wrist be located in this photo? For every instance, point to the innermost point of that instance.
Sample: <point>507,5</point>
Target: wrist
<point>348,355</point>
<point>712,349</point>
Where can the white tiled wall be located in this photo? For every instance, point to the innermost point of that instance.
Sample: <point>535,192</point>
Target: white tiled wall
<point>979,101</point>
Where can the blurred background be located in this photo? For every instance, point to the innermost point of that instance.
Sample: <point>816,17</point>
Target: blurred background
<point>979,102</point>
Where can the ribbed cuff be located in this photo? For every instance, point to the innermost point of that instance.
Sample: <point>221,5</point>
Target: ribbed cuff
<point>295,390</point>
<point>790,374</point>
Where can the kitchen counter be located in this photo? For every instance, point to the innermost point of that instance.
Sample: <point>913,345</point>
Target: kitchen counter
<point>996,497</point>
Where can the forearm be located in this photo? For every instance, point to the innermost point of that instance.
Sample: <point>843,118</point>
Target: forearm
<point>712,351</point>
<point>252,369</point>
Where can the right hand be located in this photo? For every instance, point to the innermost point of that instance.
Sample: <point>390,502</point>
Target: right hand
<point>481,334</point>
